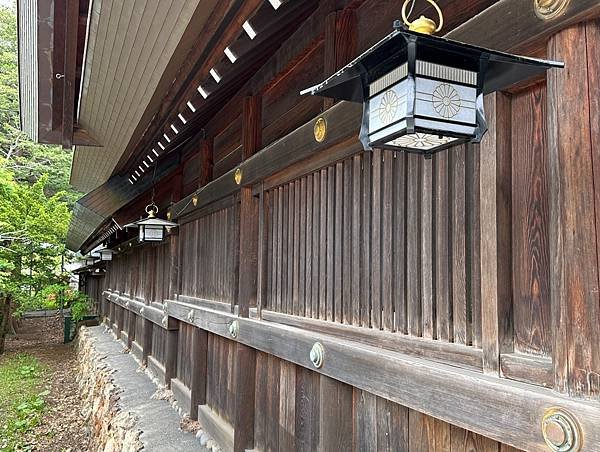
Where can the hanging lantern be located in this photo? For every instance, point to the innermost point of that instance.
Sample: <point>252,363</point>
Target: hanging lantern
<point>95,253</point>
<point>422,93</point>
<point>151,228</point>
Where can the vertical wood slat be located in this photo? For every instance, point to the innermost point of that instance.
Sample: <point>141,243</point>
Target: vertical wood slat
<point>473,202</point>
<point>306,410</point>
<point>308,290</point>
<point>338,239</point>
<point>443,276</point>
<point>365,274</point>
<point>301,259</point>
<point>287,406</point>
<point>330,263</point>
<point>387,242</point>
<point>427,250</point>
<point>356,239</point>
<point>459,276</point>
<point>317,244</point>
<point>346,243</point>
<point>399,243</point>
<point>413,245</point>
<point>495,216</point>
<point>335,415</point>
<point>376,241</point>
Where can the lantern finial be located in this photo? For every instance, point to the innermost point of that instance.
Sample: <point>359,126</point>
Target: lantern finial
<point>423,24</point>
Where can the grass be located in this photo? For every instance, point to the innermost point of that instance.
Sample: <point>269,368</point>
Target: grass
<point>21,400</point>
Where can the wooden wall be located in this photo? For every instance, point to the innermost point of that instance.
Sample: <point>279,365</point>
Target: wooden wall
<point>449,260</point>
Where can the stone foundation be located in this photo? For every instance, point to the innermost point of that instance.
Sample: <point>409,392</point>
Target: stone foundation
<point>112,429</point>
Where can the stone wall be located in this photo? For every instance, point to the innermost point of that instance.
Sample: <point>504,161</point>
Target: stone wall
<point>112,429</point>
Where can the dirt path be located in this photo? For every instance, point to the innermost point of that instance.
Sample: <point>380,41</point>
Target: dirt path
<point>62,428</point>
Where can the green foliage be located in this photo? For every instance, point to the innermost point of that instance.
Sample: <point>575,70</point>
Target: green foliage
<point>33,228</point>
<point>21,400</point>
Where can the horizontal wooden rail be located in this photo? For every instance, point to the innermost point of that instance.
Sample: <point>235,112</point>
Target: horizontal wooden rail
<point>446,352</point>
<point>466,398</point>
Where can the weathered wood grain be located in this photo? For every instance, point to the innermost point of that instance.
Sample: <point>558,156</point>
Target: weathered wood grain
<point>496,221</point>
<point>573,234</point>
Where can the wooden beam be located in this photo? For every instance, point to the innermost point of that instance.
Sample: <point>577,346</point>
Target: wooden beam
<point>206,162</point>
<point>513,25</point>
<point>468,399</point>
<point>69,72</point>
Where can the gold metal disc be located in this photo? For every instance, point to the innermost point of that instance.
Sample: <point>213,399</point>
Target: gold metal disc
<point>549,9</point>
<point>320,129</point>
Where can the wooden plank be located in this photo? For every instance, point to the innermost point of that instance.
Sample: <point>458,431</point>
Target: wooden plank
<point>392,426</point>
<point>427,433</point>
<point>330,263</point>
<point>317,244</point>
<point>463,440</point>
<point>365,274</point>
<point>296,249</point>
<point>376,219</point>
<point>413,245</point>
<point>530,228</point>
<point>365,420</point>
<point>335,415</point>
<point>354,301</point>
<point>443,279</point>
<point>427,250</point>
<point>495,217</point>
<point>387,274</point>
<point>260,401</point>
<point>459,275</point>
<point>573,235</point>
<point>244,393</point>
<point>272,413</point>
<point>248,251</point>
<point>287,406</point>
<point>301,259</point>
<point>399,243</point>
<point>346,244</point>
<point>289,250</point>
<point>308,257</point>
<point>338,241</point>
<point>473,205</point>
<point>263,250</point>
<point>307,410</point>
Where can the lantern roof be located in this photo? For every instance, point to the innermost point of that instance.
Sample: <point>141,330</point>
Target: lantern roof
<point>503,69</point>
<point>151,221</point>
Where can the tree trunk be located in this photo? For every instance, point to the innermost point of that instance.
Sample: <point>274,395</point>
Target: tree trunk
<point>5,320</point>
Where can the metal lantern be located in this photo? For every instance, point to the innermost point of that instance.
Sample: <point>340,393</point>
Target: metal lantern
<point>422,93</point>
<point>95,253</point>
<point>151,228</point>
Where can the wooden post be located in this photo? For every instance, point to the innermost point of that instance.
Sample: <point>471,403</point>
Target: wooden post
<point>199,349</point>
<point>171,351</point>
<point>495,231</point>
<point>573,141</point>
<point>341,40</point>
<point>147,341</point>
<point>69,72</point>
<point>245,357</point>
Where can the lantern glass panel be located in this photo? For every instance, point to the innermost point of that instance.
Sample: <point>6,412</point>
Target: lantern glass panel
<point>106,255</point>
<point>153,233</point>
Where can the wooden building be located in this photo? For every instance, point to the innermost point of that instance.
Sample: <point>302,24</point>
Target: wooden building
<point>315,296</point>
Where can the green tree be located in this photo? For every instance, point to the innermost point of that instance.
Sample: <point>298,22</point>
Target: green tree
<point>28,161</point>
<point>33,228</point>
